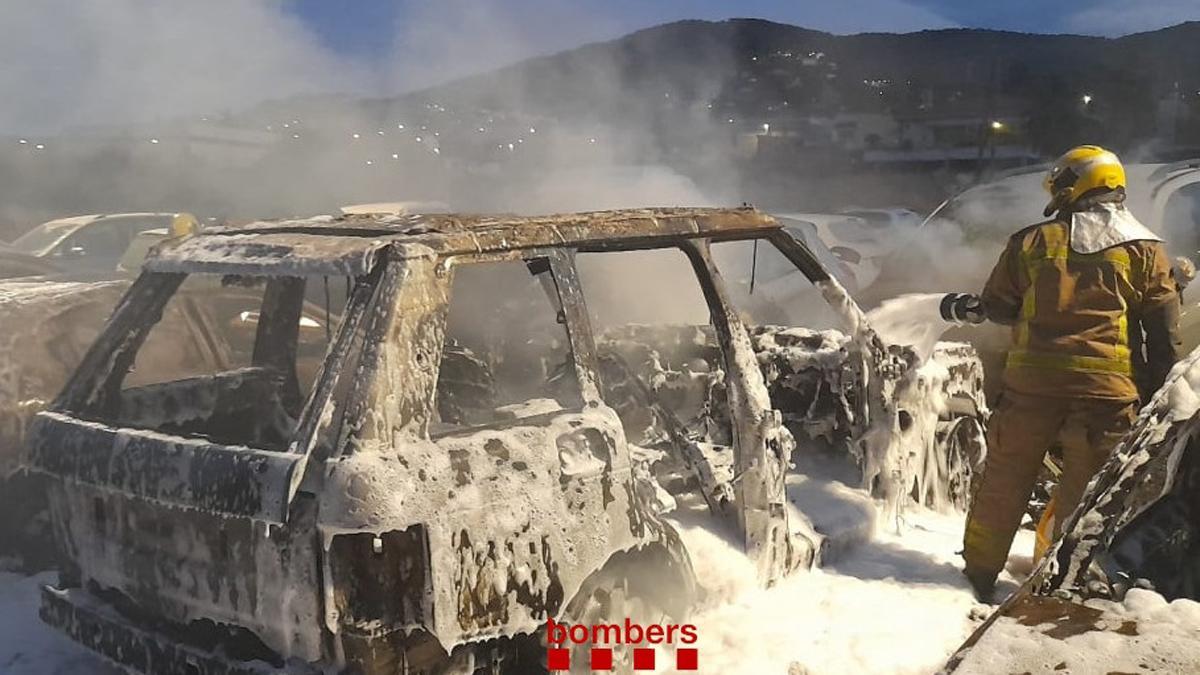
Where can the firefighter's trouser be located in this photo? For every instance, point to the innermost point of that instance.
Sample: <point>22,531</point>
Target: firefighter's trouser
<point>1020,432</point>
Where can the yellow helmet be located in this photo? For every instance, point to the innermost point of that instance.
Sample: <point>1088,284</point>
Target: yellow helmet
<point>1079,171</point>
<point>183,224</point>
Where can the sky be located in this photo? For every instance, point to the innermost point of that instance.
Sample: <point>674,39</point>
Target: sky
<point>379,29</point>
<point>65,63</point>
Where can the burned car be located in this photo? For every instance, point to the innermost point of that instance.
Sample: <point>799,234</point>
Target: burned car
<point>481,447</point>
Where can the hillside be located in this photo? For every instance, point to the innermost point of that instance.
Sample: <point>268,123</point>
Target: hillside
<point>677,78</point>
<point>747,66</point>
<point>749,110</point>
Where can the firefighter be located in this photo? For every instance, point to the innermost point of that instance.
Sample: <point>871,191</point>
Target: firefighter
<point>1074,289</point>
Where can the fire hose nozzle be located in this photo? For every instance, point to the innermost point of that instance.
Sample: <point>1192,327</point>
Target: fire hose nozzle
<point>962,308</point>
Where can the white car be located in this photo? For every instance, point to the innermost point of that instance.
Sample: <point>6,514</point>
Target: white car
<point>403,208</point>
<point>95,243</point>
<point>886,221</point>
<point>1165,197</point>
<point>860,245</point>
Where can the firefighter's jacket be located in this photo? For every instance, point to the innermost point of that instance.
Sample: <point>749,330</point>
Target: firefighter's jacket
<point>1073,314</point>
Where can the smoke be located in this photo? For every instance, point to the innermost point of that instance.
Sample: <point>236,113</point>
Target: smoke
<point>134,61</point>
<point>113,106</point>
<point>235,110</point>
<point>437,42</point>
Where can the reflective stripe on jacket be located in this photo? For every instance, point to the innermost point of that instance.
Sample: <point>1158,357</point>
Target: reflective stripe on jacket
<point>1071,311</point>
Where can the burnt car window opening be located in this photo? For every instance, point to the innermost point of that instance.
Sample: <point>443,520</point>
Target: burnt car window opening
<point>41,239</point>
<point>768,288</point>
<point>654,286</point>
<point>656,343</point>
<point>507,352</point>
<point>228,359</point>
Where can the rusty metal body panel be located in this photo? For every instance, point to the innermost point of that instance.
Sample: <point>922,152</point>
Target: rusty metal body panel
<point>183,472</point>
<point>47,328</point>
<point>268,253</point>
<point>326,242</point>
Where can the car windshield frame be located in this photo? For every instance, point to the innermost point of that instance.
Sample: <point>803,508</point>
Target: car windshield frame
<point>43,239</point>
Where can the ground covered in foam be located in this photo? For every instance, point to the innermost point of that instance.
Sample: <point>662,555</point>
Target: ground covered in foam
<point>1142,634</point>
<point>894,604</point>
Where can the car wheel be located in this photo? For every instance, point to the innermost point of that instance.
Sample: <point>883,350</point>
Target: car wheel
<point>961,447</point>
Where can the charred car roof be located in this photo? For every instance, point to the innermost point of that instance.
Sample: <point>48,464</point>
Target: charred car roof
<point>349,245</point>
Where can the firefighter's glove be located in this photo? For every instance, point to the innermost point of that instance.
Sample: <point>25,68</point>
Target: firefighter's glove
<point>963,308</point>
<point>1183,271</point>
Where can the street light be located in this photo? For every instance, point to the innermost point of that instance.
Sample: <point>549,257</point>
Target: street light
<point>997,125</point>
<point>766,128</point>
<point>1087,99</point>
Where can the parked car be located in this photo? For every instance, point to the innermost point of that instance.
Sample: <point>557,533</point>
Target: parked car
<point>853,268</point>
<point>96,242</point>
<point>888,220</point>
<point>859,244</point>
<point>1165,197</point>
<point>401,208</point>
<point>462,466</point>
<point>15,263</point>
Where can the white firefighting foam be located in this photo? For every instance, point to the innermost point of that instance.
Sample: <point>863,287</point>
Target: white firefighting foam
<point>1164,642</point>
<point>914,320</point>
<point>1181,396</point>
<point>28,646</point>
<point>1177,401</point>
<point>895,604</point>
<point>32,365</point>
<point>900,455</point>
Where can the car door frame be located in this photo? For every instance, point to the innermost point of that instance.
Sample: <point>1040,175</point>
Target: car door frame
<point>762,447</point>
